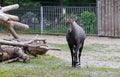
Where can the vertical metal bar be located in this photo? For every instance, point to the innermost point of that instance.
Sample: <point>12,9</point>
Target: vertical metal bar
<point>41,23</point>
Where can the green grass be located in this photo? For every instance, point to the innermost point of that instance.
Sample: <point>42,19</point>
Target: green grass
<point>87,48</point>
<point>49,66</point>
<point>96,47</point>
<point>63,47</point>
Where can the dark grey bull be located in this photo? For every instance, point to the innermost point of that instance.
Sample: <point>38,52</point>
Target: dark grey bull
<point>75,37</point>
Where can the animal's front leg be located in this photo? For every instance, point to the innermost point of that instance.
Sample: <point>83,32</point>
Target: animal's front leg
<point>76,48</point>
<point>80,51</point>
<point>72,55</point>
<point>74,58</point>
<point>71,50</point>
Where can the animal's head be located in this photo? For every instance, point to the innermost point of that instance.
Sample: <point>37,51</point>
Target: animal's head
<point>69,24</point>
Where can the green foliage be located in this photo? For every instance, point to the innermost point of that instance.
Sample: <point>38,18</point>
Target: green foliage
<point>72,16</point>
<point>9,2</point>
<point>88,19</point>
<point>22,2</point>
<point>63,19</point>
<point>67,2</point>
<point>31,4</point>
<point>37,2</point>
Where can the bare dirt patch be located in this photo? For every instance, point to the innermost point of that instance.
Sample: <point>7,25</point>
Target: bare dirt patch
<point>99,59</point>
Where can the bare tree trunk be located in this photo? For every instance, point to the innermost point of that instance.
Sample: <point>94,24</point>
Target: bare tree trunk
<point>10,21</point>
<point>12,31</point>
<point>10,7</point>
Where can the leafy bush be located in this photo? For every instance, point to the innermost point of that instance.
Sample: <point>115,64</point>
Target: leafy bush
<point>88,19</point>
<point>68,16</point>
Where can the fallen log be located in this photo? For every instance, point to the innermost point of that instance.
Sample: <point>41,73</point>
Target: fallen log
<point>34,47</point>
<point>11,53</point>
<point>31,47</point>
<point>15,43</point>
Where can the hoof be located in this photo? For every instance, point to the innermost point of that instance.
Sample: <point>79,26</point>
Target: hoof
<point>78,65</point>
<point>73,65</point>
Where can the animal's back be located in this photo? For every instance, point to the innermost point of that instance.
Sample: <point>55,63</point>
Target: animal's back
<point>78,32</point>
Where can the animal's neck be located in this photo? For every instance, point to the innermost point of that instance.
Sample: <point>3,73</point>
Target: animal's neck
<point>74,23</point>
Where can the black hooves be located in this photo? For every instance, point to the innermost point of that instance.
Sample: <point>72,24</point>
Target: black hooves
<point>76,65</point>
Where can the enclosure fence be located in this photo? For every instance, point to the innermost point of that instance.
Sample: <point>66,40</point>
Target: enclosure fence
<point>109,17</point>
<point>51,19</point>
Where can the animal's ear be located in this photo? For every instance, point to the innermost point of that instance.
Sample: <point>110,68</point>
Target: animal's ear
<point>72,20</point>
<point>66,19</point>
<point>69,20</point>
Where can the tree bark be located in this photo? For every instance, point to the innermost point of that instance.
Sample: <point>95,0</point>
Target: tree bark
<point>19,25</point>
<point>34,46</point>
<point>10,21</point>
<point>12,31</point>
<point>10,28</point>
<point>11,17</point>
<point>10,7</point>
<point>12,53</point>
<point>3,17</point>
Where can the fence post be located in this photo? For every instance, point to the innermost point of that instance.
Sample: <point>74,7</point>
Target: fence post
<point>41,23</point>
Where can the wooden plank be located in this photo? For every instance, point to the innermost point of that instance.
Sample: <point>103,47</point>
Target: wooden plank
<point>112,17</point>
<point>116,17</point>
<point>119,18</point>
<point>107,18</point>
<point>103,17</point>
<point>99,17</point>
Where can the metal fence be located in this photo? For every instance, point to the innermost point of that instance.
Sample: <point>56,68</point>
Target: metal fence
<point>51,19</point>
